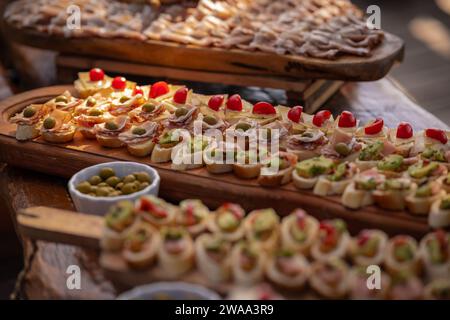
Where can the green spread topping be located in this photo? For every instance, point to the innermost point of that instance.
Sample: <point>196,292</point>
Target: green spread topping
<point>339,173</point>
<point>434,154</point>
<point>372,152</point>
<point>227,221</point>
<point>120,216</point>
<point>168,140</point>
<point>391,163</point>
<point>419,170</point>
<point>314,167</point>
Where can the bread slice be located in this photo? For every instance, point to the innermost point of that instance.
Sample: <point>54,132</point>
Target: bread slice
<point>422,206</point>
<point>303,183</point>
<point>57,137</point>
<point>355,199</point>
<point>141,149</point>
<point>109,142</point>
<point>438,217</point>
<point>160,154</point>
<point>27,132</point>
<point>247,171</point>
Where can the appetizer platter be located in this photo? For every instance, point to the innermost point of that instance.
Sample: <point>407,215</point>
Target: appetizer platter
<point>237,254</point>
<point>368,174</point>
<point>299,39</point>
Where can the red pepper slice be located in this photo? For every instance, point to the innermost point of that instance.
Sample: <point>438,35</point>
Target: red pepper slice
<point>264,108</point>
<point>375,127</point>
<point>437,134</point>
<point>320,117</point>
<point>363,238</point>
<point>138,90</point>
<point>234,103</point>
<point>295,114</point>
<point>301,218</point>
<point>404,130</point>
<point>96,74</point>
<point>119,83</point>
<point>149,207</point>
<point>215,102</point>
<point>180,95</point>
<point>158,89</point>
<point>234,209</point>
<point>347,120</point>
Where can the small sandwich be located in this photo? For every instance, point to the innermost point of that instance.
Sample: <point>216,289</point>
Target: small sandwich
<point>118,223</point>
<point>211,125</point>
<point>177,97</point>
<point>368,248</point>
<point>372,131</point>
<point>299,231</point>
<point>434,252</point>
<point>58,127</point>
<point>228,222</point>
<point>322,120</point>
<point>264,113</point>
<point>156,211</point>
<point>193,216</point>
<point>87,120</point>
<point>288,269</point>
<point>336,182</point>
<point>141,246</point>
<point>306,145</point>
<point>65,102</point>
<point>437,290</point>
<point>296,118</point>
<point>89,83</point>
<point>210,105</point>
<point>120,86</point>
<point>425,170</point>
<point>176,254</point>
<point>247,263</point>
<point>395,165</point>
<point>188,155</point>
<point>107,134</point>
<point>391,193</point>
<point>149,111</point>
<point>373,153</point>
<point>243,133</point>
<point>262,226</point>
<point>124,104</point>
<point>213,257</point>
<point>182,118</point>
<point>279,170</point>
<point>406,286</point>
<point>347,122</point>
<point>419,202</point>
<point>435,154</point>
<point>403,139</point>
<point>236,109</point>
<point>342,146</point>
<point>402,255</point>
<point>434,143</point>
<point>219,157</point>
<point>163,92</point>
<point>274,136</point>
<point>359,193</point>
<point>359,290</point>
<point>140,139</point>
<point>333,240</point>
<point>440,213</point>
<point>307,172</point>
<point>249,163</point>
<point>162,151</point>
<point>329,278</point>
<point>29,121</point>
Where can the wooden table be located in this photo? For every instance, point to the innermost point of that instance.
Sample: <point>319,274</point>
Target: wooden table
<point>44,275</point>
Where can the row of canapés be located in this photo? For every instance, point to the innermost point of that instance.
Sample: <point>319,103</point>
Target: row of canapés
<point>228,245</point>
<point>395,168</point>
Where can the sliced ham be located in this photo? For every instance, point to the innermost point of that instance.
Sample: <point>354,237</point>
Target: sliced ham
<point>121,121</point>
<point>151,129</point>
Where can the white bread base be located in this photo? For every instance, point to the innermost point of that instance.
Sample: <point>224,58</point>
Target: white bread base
<point>26,132</point>
<point>247,171</point>
<point>438,218</point>
<point>303,183</point>
<point>161,155</point>
<point>58,137</point>
<point>109,142</point>
<point>141,149</point>
<point>325,187</point>
<point>356,199</point>
<point>422,206</point>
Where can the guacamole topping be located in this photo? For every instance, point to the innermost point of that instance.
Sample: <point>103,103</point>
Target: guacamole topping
<point>419,170</point>
<point>372,152</point>
<point>314,167</point>
<point>391,163</point>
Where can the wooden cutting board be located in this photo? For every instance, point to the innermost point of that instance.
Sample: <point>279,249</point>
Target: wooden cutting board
<point>347,68</point>
<point>66,159</point>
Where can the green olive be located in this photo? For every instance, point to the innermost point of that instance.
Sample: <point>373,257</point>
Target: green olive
<point>95,113</point>
<point>114,193</point>
<point>142,176</point>
<point>106,172</point>
<point>102,192</point>
<point>181,112</point>
<point>90,102</point>
<point>124,99</point>
<point>29,112</point>
<point>62,99</point>
<point>102,184</point>
<point>138,131</point>
<point>244,126</point>
<point>129,188</point>
<point>143,185</point>
<point>129,178</point>
<point>342,149</point>
<point>210,120</point>
<point>119,185</point>
<point>94,189</point>
<point>148,107</point>
<point>95,180</point>
<point>84,187</point>
<point>49,123</point>
<point>111,125</point>
<point>113,181</point>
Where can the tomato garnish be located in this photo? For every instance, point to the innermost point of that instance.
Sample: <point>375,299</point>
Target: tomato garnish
<point>234,103</point>
<point>375,127</point>
<point>330,234</point>
<point>233,208</point>
<point>119,83</point>
<point>295,114</point>
<point>264,108</point>
<point>437,134</point>
<point>180,95</point>
<point>215,102</point>
<point>301,218</point>
<point>320,117</point>
<point>147,206</point>
<point>158,89</point>
<point>404,130</point>
<point>96,74</point>
<point>137,90</point>
<point>363,238</point>
<point>347,120</point>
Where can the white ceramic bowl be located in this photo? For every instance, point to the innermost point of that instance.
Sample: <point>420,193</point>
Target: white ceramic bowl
<point>169,290</point>
<point>100,205</point>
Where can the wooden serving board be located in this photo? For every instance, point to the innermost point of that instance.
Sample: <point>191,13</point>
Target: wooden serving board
<point>236,61</point>
<point>66,159</point>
